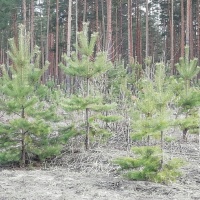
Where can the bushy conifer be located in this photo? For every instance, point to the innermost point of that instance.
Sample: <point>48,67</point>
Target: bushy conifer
<point>188,99</point>
<point>88,64</point>
<point>26,133</point>
<point>150,119</point>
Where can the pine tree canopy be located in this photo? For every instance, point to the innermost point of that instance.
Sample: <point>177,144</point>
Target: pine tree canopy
<point>26,131</point>
<point>86,65</point>
<point>187,68</point>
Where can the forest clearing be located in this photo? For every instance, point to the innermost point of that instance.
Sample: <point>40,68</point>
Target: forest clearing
<point>100,100</point>
<point>91,175</point>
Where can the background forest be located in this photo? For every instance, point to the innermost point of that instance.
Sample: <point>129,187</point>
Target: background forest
<point>104,68</point>
<point>131,30</point>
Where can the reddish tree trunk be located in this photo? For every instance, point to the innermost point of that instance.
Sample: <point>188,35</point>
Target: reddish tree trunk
<point>109,29</point>
<point>191,34</point>
<point>57,32</point>
<point>121,31</point>
<point>138,31</point>
<point>51,54</point>
<point>24,12</point>
<point>32,25</point>
<point>198,15</point>
<point>130,32</point>
<point>182,29</point>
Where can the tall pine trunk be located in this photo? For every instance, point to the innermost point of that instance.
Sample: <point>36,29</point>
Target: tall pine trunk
<point>147,28</point>
<point>191,35</point>
<point>32,25</point>
<point>87,142</point>
<point>109,29</point>
<point>172,36</point>
<point>97,23</point>
<point>130,32</point>
<point>69,39</point>
<point>84,10</point>
<point>24,12</point>
<point>198,16</point>
<point>188,24</point>
<point>57,40</point>
<point>23,144</point>
<point>182,29</point>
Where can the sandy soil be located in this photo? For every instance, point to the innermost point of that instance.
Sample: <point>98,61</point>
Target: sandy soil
<point>91,175</point>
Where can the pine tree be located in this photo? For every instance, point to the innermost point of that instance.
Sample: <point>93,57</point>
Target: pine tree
<point>88,66</point>
<point>189,97</point>
<point>29,108</point>
<point>150,119</point>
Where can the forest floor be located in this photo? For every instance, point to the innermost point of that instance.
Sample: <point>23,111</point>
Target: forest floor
<point>91,175</point>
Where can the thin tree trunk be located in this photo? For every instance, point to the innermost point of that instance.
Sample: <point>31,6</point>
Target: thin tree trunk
<point>97,23</point>
<point>32,25</point>
<point>147,28</point>
<point>23,147</point>
<point>172,36</point>
<point>137,30</point>
<point>42,46</point>
<point>76,25</point>
<point>48,18</point>
<point>116,35</point>
<point>198,16</point>
<point>24,12</point>
<point>14,25</point>
<point>57,32</point>
<point>84,10</point>
<point>191,35</point>
<point>69,39</point>
<point>87,142</point>
<point>188,23</point>
<point>138,33</point>
<point>121,31</point>
<point>69,28</point>
<point>109,29</point>
<point>182,29</point>
<point>51,54</point>
<point>130,32</point>
<point>103,25</point>
<point>140,39</point>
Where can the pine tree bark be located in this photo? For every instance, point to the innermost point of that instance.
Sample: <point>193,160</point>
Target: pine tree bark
<point>47,36</point>
<point>172,36</point>
<point>138,34</point>
<point>191,34</point>
<point>24,12</point>
<point>87,119</point>
<point>84,10</point>
<point>198,16</point>
<point>109,29</point>
<point>188,23</point>
<point>130,32</point>
<point>23,145</point>
<point>14,25</point>
<point>182,29</point>
<point>57,40</point>
<point>69,28</point>
<point>147,28</point>
<point>97,23</point>
<point>32,25</point>
<point>69,39</point>
<point>116,35</point>
<point>103,25</point>
<point>121,31</point>
<point>76,25</point>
